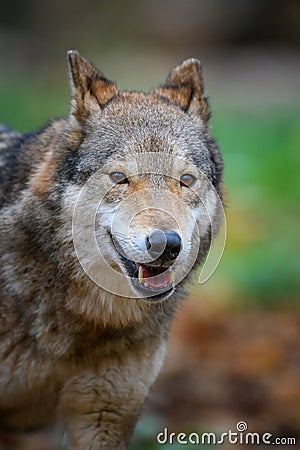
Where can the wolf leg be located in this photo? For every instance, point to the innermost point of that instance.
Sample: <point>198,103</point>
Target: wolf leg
<point>100,408</point>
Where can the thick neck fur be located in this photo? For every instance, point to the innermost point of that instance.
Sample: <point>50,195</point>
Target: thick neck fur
<point>66,315</point>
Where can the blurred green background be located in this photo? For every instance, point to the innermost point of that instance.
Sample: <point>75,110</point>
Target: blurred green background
<point>251,57</point>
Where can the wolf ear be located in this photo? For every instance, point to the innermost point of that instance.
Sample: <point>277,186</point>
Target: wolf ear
<point>185,87</point>
<point>91,91</point>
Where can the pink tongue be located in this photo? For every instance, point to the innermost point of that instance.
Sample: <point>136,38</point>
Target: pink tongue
<point>156,281</point>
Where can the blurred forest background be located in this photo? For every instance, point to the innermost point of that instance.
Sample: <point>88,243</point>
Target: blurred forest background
<point>234,350</point>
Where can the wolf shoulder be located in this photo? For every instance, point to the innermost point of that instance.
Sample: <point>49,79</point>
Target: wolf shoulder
<point>20,154</point>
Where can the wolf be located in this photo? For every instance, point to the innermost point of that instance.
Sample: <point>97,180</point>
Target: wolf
<point>105,215</point>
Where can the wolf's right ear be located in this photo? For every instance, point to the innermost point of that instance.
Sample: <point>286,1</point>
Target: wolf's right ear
<point>91,91</point>
<point>185,87</point>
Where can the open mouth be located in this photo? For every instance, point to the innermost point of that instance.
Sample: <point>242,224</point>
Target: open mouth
<point>152,281</point>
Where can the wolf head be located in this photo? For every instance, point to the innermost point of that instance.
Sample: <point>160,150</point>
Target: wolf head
<point>143,179</point>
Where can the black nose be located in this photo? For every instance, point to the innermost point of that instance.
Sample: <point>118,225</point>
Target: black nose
<point>163,246</point>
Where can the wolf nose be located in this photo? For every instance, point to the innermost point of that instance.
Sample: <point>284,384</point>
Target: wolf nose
<point>163,245</point>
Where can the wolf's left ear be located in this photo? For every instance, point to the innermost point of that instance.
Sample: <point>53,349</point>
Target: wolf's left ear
<point>91,91</point>
<point>185,87</point>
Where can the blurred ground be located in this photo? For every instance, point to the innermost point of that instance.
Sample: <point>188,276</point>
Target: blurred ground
<point>229,364</point>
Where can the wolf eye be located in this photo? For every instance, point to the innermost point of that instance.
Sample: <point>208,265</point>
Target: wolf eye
<point>187,180</point>
<point>118,178</point>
